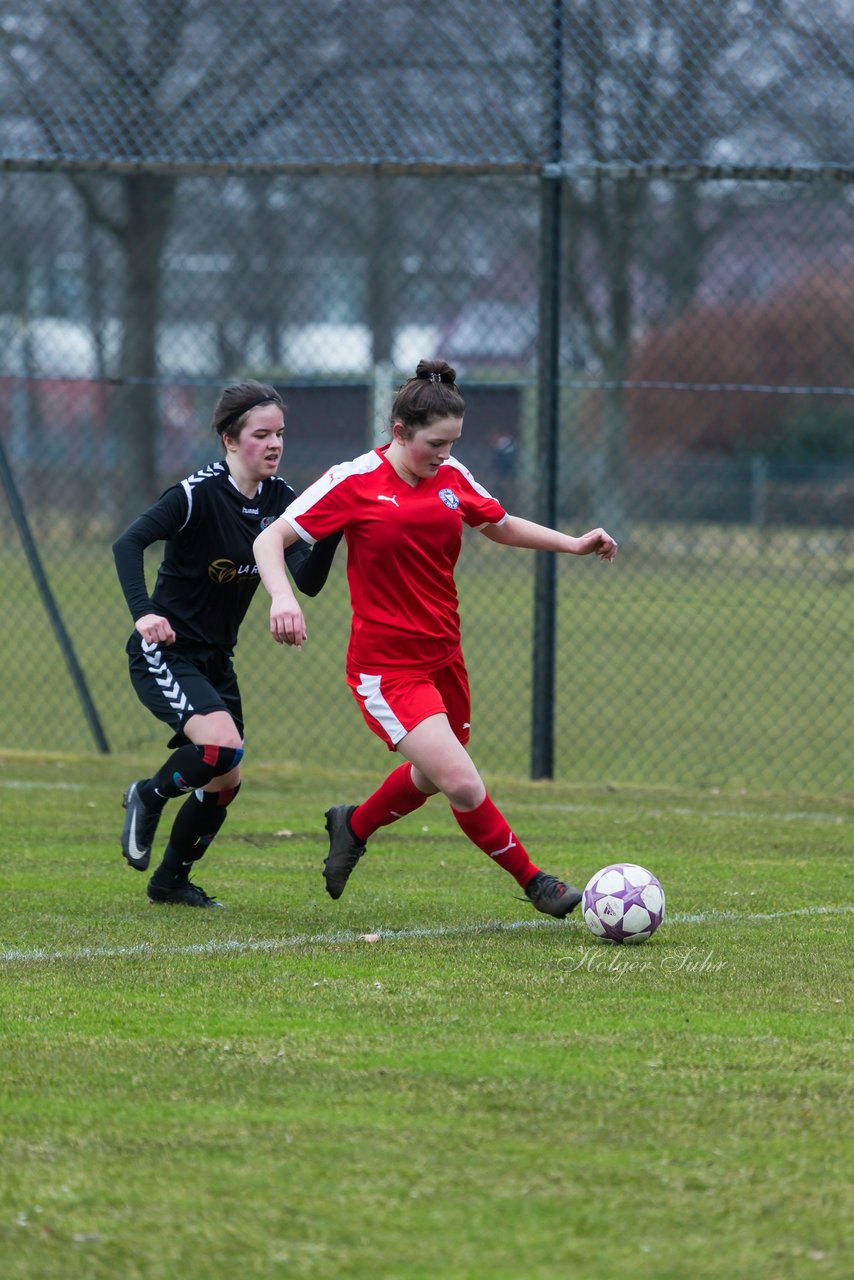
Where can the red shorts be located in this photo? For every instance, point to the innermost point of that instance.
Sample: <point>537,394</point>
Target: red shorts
<point>395,702</point>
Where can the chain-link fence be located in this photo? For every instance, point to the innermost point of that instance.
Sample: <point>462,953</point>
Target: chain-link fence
<point>630,230</point>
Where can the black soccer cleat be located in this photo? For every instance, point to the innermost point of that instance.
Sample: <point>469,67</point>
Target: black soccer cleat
<point>344,849</point>
<point>185,895</point>
<point>552,896</point>
<point>139,829</point>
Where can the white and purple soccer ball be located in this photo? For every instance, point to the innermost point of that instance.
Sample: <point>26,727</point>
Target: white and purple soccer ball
<point>623,903</point>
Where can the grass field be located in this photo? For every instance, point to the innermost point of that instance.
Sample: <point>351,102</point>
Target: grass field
<point>479,1093</point>
<point>702,656</point>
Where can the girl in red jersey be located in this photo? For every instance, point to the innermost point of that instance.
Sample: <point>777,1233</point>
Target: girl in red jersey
<point>401,508</point>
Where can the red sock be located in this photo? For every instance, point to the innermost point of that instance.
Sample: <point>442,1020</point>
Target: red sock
<point>486,827</point>
<point>397,796</point>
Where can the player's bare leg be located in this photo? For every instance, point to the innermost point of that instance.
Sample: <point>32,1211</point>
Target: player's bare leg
<point>439,759</point>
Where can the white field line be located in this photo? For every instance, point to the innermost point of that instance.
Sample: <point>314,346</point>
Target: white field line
<point>22,784</point>
<point>241,946</point>
<point>680,811</point>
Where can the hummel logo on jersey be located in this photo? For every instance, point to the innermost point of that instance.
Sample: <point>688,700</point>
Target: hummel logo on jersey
<point>383,497</point>
<point>205,473</point>
<point>251,511</point>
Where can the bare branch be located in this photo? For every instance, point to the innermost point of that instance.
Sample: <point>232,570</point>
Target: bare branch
<point>94,210</point>
<point>45,116</point>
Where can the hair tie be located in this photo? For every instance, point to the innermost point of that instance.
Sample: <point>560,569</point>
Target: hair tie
<point>235,416</point>
<point>435,377</point>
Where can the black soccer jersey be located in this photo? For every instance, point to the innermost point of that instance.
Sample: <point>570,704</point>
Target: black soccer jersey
<point>208,575</point>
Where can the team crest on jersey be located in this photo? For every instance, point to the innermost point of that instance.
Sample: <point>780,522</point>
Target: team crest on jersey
<point>223,571</point>
<point>449,498</point>
<point>267,520</point>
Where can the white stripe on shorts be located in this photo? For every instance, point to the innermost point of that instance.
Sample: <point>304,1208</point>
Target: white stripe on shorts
<point>369,689</point>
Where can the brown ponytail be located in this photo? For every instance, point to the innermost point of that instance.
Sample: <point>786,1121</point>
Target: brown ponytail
<point>432,393</point>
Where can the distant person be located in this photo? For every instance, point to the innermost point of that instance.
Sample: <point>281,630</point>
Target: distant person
<point>402,508</point>
<point>180,652</point>
<point>504,453</point>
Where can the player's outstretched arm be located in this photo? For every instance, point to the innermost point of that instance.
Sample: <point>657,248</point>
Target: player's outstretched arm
<point>516,532</point>
<point>287,624</point>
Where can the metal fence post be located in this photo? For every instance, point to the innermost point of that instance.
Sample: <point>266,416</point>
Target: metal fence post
<point>40,578</point>
<point>547,432</point>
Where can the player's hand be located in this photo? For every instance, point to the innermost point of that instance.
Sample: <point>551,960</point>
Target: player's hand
<point>154,629</point>
<point>598,542</point>
<point>287,624</point>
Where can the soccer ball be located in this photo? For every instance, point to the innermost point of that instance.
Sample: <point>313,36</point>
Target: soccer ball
<point>623,903</point>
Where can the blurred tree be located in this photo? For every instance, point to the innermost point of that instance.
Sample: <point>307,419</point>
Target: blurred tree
<point>83,44</point>
<point>798,336</point>
<point>638,78</point>
<point>116,84</point>
<point>794,103</point>
<point>664,84</point>
<point>150,91</point>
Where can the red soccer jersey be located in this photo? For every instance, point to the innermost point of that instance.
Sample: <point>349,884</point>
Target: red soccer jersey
<point>402,545</point>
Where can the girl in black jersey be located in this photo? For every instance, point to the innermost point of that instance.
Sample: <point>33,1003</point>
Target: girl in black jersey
<point>184,633</point>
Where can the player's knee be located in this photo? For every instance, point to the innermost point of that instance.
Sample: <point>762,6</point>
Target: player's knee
<point>465,791</point>
<point>220,759</point>
<point>226,795</point>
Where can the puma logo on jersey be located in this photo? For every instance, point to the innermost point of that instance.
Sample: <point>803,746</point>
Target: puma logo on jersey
<point>383,497</point>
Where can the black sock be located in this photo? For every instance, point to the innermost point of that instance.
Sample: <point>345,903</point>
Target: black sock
<point>149,797</point>
<point>185,770</point>
<point>172,873</point>
<point>196,824</point>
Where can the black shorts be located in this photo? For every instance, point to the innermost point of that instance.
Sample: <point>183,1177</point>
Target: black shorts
<point>176,683</point>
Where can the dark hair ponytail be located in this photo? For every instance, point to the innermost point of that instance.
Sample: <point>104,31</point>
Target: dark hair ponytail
<point>432,393</point>
<point>235,402</point>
